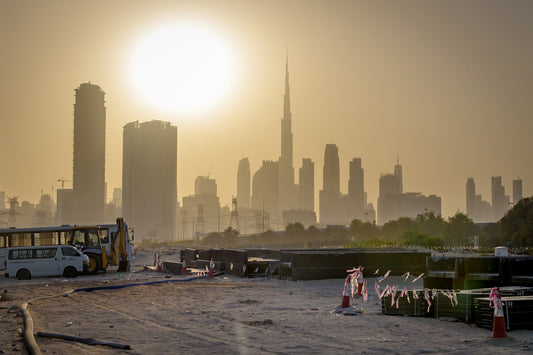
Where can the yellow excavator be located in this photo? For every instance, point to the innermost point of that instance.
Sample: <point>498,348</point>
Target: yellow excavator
<point>120,247</point>
<point>105,245</point>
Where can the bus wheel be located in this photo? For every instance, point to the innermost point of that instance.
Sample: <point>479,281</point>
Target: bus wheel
<point>70,272</point>
<point>23,274</point>
<point>94,263</point>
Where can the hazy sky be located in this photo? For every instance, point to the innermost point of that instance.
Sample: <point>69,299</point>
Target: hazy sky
<point>446,85</point>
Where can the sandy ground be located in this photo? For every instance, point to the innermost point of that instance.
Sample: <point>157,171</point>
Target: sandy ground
<point>229,315</point>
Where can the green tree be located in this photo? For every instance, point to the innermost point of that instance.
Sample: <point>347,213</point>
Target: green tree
<point>335,233</point>
<point>430,224</point>
<point>490,235</point>
<point>295,228</point>
<point>369,231</point>
<point>313,233</point>
<point>414,238</point>
<point>395,230</point>
<point>230,232</point>
<point>517,224</point>
<point>459,230</point>
<point>355,229</point>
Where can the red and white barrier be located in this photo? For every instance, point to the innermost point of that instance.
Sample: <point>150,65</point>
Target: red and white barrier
<point>183,266</point>
<point>158,264</point>
<point>210,274</point>
<point>346,294</point>
<point>498,323</point>
<point>360,280</point>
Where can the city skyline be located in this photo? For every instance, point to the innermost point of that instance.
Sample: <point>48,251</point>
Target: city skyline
<point>444,85</point>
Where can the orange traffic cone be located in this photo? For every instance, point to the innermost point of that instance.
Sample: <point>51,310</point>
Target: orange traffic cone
<point>183,267</point>
<point>346,293</point>
<point>211,267</point>
<point>345,298</point>
<point>498,323</point>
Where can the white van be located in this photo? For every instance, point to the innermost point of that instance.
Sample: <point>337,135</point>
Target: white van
<point>2,258</point>
<point>46,260</point>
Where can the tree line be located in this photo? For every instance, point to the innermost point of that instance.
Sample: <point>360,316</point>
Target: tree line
<point>514,230</point>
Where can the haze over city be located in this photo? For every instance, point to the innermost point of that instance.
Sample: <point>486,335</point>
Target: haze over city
<point>446,86</point>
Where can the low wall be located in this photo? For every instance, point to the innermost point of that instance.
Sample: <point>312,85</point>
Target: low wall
<point>333,263</point>
<point>473,272</point>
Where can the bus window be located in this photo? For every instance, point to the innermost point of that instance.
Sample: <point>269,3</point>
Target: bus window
<point>20,239</point>
<point>44,238</point>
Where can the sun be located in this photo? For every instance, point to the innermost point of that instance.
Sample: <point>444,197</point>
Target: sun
<point>182,68</point>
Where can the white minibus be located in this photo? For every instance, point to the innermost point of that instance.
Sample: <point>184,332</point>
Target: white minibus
<point>45,260</point>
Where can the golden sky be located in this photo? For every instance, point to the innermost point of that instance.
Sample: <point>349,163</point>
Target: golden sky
<point>446,85</point>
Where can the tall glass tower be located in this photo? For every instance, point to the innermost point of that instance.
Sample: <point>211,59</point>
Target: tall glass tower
<point>287,195</point>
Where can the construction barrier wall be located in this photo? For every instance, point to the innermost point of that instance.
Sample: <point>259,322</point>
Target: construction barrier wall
<point>446,272</point>
<point>334,263</point>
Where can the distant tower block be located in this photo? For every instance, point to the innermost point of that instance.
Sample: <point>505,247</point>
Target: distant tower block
<point>183,223</point>
<point>12,213</point>
<point>234,217</point>
<point>200,225</point>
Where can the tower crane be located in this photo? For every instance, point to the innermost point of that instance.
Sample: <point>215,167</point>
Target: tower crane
<point>62,181</point>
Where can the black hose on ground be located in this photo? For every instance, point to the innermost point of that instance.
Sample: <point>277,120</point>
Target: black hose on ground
<point>29,338</point>
<point>90,341</point>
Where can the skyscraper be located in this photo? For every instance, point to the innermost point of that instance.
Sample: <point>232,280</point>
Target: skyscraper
<point>393,203</point>
<point>203,207</point>
<point>265,190</point>
<point>500,201</point>
<point>243,184</point>
<point>331,170</point>
<point>517,190</point>
<point>399,176</point>
<point>330,193</point>
<point>356,189</point>
<point>89,155</point>
<point>307,185</point>
<point>470,197</point>
<point>478,210</point>
<point>287,190</point>
<point>149,179</point>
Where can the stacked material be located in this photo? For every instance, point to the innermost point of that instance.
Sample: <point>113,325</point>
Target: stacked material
<point>463,307</point>
<point>517,310</point>
<point>318,264</point>
<point>411,304</point>
<point>445,303</point>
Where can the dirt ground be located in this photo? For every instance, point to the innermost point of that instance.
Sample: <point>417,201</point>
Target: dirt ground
<point>228,315</point>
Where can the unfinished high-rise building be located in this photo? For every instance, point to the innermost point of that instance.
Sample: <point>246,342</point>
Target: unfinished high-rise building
<point>149,179</point>
<point>89,155</point>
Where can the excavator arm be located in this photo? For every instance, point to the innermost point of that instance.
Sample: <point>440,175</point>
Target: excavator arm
<point>120,254</point>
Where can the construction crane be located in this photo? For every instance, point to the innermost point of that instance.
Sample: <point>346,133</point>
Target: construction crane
<point>62,181</point>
